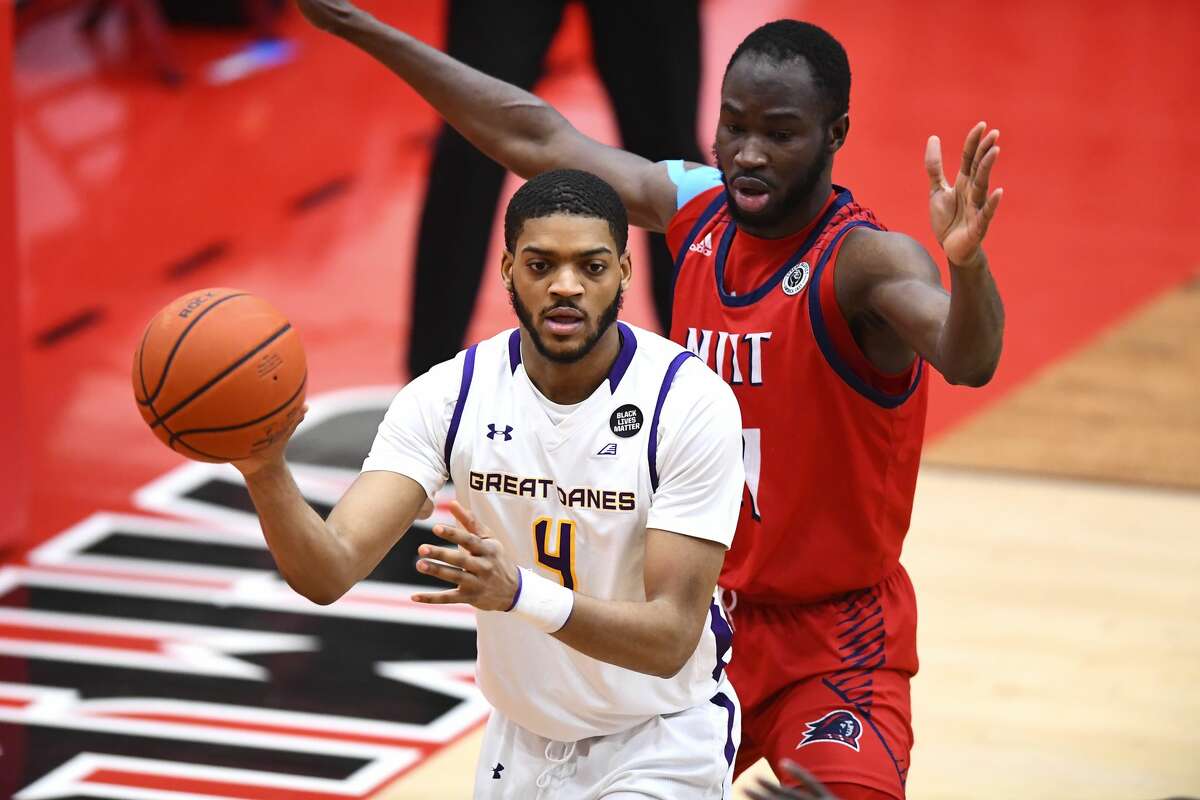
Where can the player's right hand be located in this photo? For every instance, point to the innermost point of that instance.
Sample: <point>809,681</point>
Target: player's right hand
<point>481,571</point>
<point>271,453</point>
<point>328,15</point>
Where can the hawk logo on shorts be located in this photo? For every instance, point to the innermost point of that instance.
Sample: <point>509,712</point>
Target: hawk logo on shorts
<point>840,726</point>
<point>796,279</point>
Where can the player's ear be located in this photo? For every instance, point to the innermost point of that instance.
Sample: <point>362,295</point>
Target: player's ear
<point>626,262</point>
<point>506,268</point>
<point>839,129</point>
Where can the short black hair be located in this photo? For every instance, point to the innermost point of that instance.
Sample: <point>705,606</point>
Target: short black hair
<point>566,191</point>
<point>786,39</point>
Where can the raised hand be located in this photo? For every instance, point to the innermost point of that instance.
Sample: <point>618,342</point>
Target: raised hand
<point>328,15</point>
<point>960,214</point>
<point>481,571</point>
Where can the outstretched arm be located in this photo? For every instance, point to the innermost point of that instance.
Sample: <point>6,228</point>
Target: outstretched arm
<point>509,125</point>
<point>889,277</point>
<point>322,559</point>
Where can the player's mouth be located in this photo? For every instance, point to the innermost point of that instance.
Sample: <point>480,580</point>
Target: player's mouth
<point>564,321</point>
<point>750,194</point>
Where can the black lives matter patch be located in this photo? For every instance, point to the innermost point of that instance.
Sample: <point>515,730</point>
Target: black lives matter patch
<point>626,421</point>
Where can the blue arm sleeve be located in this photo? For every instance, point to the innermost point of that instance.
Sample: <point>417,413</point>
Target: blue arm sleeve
<point>691,182</point>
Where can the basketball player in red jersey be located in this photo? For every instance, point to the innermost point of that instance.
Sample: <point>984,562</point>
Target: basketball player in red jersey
<point>824,324</point>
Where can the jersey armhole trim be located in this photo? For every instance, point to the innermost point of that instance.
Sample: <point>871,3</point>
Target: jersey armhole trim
<point>652,447</point>
<point>825,341</point>
<point>709,212</point>
<point>464,388</point>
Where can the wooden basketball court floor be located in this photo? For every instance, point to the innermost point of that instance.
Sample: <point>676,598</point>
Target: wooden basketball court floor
<point>1055,544</point>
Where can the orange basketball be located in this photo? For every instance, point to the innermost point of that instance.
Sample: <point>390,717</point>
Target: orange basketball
<point>218,374</point>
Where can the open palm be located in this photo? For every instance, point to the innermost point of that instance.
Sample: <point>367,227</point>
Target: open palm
<point>960,214</point>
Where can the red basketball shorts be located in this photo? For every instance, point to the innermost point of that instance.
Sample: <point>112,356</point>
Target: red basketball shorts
<point>827,684</point>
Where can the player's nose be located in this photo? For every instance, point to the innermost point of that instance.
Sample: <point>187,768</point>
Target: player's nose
<point>566,283</point>
<point>750,155</point>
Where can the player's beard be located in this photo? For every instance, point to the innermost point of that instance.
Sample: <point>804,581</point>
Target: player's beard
<point>607,318</point>
<point>799,191</point>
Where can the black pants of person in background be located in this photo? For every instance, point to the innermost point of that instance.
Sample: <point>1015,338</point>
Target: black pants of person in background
<point>648,55</point>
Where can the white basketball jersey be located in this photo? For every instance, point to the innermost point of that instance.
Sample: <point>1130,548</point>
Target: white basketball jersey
<point>657,445</point>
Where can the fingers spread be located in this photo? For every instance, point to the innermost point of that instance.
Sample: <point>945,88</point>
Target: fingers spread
<point>439,598</point>
<point>933,163</point>
<point>465,518</point>
<point>979,184</point>
<point>453,556</point>
<point>464,539</point>
<point>989,208</point>
<point>442,571</point>
<point>969,148</point>
<point>985,144</point>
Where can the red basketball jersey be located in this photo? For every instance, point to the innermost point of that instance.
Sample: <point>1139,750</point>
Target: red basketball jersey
<point>831,444</point>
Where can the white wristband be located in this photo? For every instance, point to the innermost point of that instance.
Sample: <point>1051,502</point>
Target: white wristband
<point>541,602</point>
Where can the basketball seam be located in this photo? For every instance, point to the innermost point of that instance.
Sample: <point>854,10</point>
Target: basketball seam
<point>171,444</point>
<point>227,428</point>
<point>141,354</point>
<point>161,419</point>
<point>162,379</point>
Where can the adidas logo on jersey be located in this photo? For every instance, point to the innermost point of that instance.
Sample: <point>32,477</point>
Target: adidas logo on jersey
<point>704,246</point>
<point>609,449</point>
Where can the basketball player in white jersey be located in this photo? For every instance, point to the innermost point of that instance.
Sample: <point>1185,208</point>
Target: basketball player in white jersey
<point>599,474</point>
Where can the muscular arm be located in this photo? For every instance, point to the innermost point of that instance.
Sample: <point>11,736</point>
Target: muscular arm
<point>889,278</point>
<point>322,559</point>
<point>509,125</point>
<point>658,636</point>
<point>889,289</point>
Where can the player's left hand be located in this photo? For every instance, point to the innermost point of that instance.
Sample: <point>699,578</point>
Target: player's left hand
<point>483,574</point>
<point>960,214</point>
<point>810,788</point>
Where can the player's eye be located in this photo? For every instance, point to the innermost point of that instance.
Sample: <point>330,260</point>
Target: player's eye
<point>735,130</point>
<point>597,267</point>
<point>537,266</point>
<point>782,136</point>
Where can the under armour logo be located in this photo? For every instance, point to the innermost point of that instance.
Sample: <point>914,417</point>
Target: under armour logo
<point>609,449</point>
<point>506,433</point>
<point>496,770</point>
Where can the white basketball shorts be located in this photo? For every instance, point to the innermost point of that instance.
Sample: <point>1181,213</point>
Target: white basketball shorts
<point>688,754</point>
